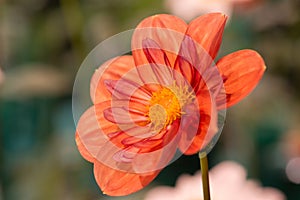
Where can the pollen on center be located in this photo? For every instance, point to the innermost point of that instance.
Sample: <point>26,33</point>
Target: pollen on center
<point>166,105</point>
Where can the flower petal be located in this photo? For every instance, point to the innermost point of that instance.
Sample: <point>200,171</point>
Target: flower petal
<point>113,69</point>
<point>91,133</point>
<point>123,115</point>
<point>187,60</point>
<point>166,30</point>
<point>95,132</point>
<point>200,123</point>
<point>159,62</point>
<point>98,142</point>
<point>192,61</point>
<point>124,89</point>
<point>207,31</point>
<point>114,177</point>
<point>156,154</point>
<point>196,136</point>
<point>109,133</point>
<point>114,139</point>
<point>82,149</point>
<point>119,183</point>
<point>241,72</point>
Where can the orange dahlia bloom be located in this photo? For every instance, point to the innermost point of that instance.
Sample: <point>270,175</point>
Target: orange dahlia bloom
<point>165,96</point>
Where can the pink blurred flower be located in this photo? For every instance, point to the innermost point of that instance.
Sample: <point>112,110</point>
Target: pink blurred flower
<point>291,151</point>
<point>189,9</point>
<point>291,143</point>
<point>227,182</point>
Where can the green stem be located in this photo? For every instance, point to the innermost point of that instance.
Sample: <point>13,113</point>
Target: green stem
<point>204,172</point>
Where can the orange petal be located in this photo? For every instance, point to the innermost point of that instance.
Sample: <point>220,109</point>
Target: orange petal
<point>166,30</point>
<point>207,31</point>
<point>241,72</point>
<point>196,136</point>
<point>129,90</point>
<point>159,63</point>
<point>145,151</point>
<point>120,135</point>
<point>95,142</point>
<point>124,115</point>
<point>119,183</point>
<point>192,61</point>
<point>82,149</point>
<point>155,154</point>
<point>91,135</point>
<point>94,132</point>
<point>114,166</point>
<point>113,69</point>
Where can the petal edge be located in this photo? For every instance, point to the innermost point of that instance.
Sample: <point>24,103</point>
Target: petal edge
<point>241,72</point>
<point>207,31</point>
<point>119,183</point>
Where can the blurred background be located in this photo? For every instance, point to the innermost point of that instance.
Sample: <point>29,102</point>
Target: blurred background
<point>44,42</point>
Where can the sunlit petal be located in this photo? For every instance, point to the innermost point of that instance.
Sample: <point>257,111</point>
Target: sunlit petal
<point>118,183</point>
<point>121,115</point>
<point>159,62</point>
<point>206,128</point>
<point>207,31</point>
<point>113,69</point>
<point>82,149</point>
<point>241,72</point>
<point>89,132</point>
<point>124,89</point>
<point>166,30</point>
<point>192,61</point>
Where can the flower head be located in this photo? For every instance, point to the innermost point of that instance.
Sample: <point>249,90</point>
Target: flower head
<point>164,97</point>
<point>228,182</point>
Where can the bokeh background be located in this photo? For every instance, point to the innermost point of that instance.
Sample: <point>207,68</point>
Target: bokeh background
<point>43,43</point>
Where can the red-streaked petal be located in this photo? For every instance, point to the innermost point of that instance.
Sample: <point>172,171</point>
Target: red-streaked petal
<point>95,132</point>
<point>114,182</point>
<point>131,106</point>
<point>161,153</point>
<point>124,89</point>
<point>113,69</point>
<point>123,135</point>
<point>189,129</point>
<point>101,139</point>
<point>192,61</point>
<point>109,132</point>
<point>187,60</point>
<point>210,86</point>
<point>119,170</point>
<point>166,30</point>
<point>165,137</point>
<point>82,149</point>
<point>159,62</point>
<point>114,176</point>
<point>136,134</point>
<point>241,72</point>
<point>120,183</point>
<point>148,150</point>
<point>91,132</point>
<point>206,115</point>
<point>207,31</point>
<point>121,115</point>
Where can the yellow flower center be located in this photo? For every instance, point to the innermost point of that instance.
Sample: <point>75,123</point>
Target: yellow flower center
<point>166,105</point>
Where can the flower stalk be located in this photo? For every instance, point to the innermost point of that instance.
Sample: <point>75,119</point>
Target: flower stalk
<point>205,178</point>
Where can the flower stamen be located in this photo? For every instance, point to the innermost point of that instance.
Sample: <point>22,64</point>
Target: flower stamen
<point>166,105</point>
